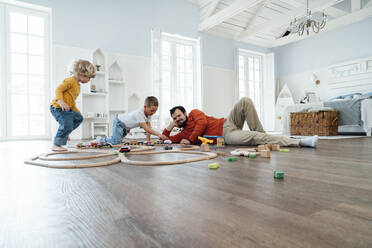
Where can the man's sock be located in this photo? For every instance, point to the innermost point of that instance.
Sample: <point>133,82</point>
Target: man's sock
<point>309,142</point>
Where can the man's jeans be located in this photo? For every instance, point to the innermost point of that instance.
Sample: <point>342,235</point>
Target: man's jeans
<point>119,131</point>
<point>68,121</point>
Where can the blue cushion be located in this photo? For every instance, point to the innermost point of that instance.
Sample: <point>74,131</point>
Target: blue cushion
<point>351,96</point>
<point>336,98</point>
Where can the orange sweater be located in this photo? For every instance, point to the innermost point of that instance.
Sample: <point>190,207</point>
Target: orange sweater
<point>198,124</point>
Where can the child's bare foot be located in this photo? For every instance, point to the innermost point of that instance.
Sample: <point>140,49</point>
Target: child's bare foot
<point>56,148</point>
<point>68,138</point>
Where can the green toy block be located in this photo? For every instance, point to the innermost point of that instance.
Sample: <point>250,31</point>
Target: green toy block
<point>214,166</point>
<point>252,155</point>
<point>278,174</point>
<point>231,159</point>
<point>284,150</point>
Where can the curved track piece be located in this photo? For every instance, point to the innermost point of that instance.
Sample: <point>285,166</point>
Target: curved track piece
<point>46,156</point>
<point>208,155</point>
<point>33,161</point>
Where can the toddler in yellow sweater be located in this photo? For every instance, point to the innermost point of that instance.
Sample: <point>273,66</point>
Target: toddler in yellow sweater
<point>63,106</point>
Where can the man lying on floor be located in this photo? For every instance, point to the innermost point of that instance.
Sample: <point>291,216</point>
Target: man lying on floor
<point>197,123</point>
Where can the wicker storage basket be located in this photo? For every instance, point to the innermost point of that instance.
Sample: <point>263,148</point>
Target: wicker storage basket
<point>322,123</point>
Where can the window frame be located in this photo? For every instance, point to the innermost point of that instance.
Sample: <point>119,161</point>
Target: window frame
<point>248,53</point>
<point>45,13</point>
<point>197,82</point>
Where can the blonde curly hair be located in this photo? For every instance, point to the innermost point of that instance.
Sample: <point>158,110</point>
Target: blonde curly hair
<point>84,68</point>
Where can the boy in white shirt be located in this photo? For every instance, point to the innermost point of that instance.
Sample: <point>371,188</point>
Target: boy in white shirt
<point>122,123</point>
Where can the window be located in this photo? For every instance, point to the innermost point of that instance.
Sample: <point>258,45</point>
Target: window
<point>250,78</point>
<point>256,81</point>
<point>178,73</point>
<point>25,73</point>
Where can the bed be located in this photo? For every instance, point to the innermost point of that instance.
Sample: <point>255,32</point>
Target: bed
<point>350,92</point>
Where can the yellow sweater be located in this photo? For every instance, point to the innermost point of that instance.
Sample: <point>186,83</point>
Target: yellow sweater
<point>68,91</point>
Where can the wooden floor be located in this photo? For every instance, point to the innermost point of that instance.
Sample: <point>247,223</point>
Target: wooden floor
<point>325,200</point>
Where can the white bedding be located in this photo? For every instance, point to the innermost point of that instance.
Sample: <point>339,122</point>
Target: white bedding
<point>366,114</point>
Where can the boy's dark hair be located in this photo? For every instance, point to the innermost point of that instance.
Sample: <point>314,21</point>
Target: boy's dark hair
<point>151,101</point>
<point>182,109</point>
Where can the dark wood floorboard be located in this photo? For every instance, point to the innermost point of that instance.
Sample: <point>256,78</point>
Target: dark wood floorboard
<point>325,200</point>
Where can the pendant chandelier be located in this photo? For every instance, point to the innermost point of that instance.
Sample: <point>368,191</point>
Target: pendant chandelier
<point>307,23</point>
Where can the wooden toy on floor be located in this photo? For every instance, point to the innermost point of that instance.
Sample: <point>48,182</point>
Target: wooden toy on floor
<point>261,147</point>
<point>275,147</point>
<point>264,153</point>
<point>204,146</point>
<point>220,140</point>
<point>205,156</point>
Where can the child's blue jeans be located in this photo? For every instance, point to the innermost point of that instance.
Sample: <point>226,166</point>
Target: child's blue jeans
<point>119,131</point>
<point>68,121</point>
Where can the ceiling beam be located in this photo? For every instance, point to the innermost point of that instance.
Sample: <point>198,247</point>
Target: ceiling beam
<point>257,13</point>
<point>319,5</point>
<point>356,5</point>
<point>237,7</point>
<point>211,8</point>
<point>333,24</point>
<point>335,12</point>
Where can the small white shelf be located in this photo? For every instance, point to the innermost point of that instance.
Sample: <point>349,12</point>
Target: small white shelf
<point>94,94</point>
<point>118,110</point>
<point>95,118</point>
<point>100,73</point>
<point>112,81</point>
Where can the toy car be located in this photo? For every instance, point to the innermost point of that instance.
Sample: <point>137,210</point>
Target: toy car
<point>168,147</point>
<point>140,143</point>
<point>167,142</point>
<point>126,143</point>
<point>124,149</point>
<point>104,144</point>
<point>159,142</point>
<point>94,144</point>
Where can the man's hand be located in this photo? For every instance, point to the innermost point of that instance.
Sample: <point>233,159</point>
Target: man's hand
<point>63,105</point>
<point>185,142</point>
<point>171,126</point>
<point>163,137</point>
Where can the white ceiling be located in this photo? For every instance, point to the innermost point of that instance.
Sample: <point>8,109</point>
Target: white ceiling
<point>263,22</point>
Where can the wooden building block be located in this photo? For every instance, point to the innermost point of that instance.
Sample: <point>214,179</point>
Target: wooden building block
<point>220,142</point>
<point>261,148</point>
<point>265,153</point>
<point>204,148</point>
<point>269,147</point>
<point>275,147</point>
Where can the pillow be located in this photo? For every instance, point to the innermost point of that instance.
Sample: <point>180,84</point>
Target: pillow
<point>336,98</point>
<point>368,94</point>
<point>352,96</point>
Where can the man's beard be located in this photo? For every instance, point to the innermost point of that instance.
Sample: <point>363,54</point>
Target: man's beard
<point>184,123</point>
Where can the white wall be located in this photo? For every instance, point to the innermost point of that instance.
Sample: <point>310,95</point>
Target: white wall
<point>296,62</point>
<point>302,82</point>
<point>218,91</point>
